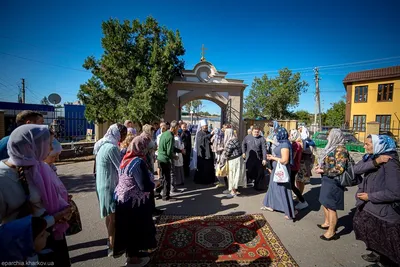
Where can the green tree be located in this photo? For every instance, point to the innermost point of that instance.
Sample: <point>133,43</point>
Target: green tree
<point>273,97</point>
<point>335,116</point>
<point>302,116</point>
<point>195,105</point>
<point>130,79</point>
<point>45,101</point>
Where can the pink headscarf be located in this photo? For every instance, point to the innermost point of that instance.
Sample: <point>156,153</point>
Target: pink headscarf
<point>29,145</point>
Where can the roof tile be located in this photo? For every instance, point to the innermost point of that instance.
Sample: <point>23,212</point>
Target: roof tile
<point>390,72</point>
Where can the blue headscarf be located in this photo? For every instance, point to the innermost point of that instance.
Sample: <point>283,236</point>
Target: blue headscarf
<point>282,137</point>
<point>16,241</point>
<point>381,144</point>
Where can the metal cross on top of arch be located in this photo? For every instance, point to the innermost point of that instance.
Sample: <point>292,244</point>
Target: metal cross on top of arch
<point>203,53</point>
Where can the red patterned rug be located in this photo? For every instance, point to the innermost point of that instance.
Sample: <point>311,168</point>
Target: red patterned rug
<point>225,240</point>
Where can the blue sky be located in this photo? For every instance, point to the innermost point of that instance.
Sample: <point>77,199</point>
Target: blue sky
<point>244,38</point>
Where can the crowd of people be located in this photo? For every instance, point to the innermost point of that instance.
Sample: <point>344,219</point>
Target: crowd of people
<point>134,167</point>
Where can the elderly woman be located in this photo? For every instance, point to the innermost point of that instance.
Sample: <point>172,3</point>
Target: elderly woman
<point>377,220</point>
<point>236,168</point>
<point>332,162</point>
<point>134,226</point>
<point>279,195</point>
<point>108,159</point>
<point>28,186</point>
<point>220,164</point>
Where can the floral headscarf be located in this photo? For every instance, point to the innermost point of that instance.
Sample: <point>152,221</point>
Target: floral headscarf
<point>132,131</point>
<point>382,144</point>
<point>305,134</point>
<point>294,135</point>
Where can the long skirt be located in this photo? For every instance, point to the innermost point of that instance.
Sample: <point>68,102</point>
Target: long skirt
<point>205,173</point>
<point>306,165</point>
<point>255,171</point>
<point>59,255</point>
<point>236,174</point>
<point>177,175</point>
<point>134,229</point>
<point>378,235</point>
<point>279,196</point>
<point>331,195</point>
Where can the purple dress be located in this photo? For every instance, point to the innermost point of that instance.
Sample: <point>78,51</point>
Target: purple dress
<point>279,195</point>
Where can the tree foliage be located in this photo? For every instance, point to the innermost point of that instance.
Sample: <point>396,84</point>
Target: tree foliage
<point>273,97</point>
<point>45,101</point>
<point>130,79</point>
<point>302,116</point>
<point>195,105</point>
<point>335,116</point>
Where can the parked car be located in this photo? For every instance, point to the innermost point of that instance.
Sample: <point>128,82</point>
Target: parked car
<point>352,144</point>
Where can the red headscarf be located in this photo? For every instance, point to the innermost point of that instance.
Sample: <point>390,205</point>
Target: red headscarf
<point>137,148</point>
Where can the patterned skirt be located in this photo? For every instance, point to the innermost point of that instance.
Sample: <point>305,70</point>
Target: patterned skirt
<point>378,235</point>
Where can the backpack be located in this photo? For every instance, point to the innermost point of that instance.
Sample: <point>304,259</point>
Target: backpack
<point>348,178</point>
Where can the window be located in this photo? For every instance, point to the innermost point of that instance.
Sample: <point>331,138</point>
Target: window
<point>359,123</point>
<point>361,94</point>
<point>385,92</point>
<point>384,122</point>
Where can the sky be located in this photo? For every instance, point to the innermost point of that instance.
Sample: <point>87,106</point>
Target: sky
<point>46,42</point>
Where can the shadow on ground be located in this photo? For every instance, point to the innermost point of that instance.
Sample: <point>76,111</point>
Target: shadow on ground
<point>80,183</point>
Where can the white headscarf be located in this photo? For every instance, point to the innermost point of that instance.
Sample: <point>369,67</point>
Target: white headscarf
<point>335,139</point>
<point>193,163</point>
<point>304,133</point>
<point>294,135</point>
<point>113,136</point>
<point>228,136</point>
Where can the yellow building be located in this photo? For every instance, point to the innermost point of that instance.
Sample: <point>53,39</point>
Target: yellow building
<point>373,96</point>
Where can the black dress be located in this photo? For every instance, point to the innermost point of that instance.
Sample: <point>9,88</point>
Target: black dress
<point>205,173</point>
<point>187,142</point>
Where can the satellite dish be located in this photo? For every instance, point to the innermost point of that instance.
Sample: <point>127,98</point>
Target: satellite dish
<point>54,99</point>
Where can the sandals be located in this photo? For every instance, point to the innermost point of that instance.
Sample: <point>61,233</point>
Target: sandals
<point>267,208</point>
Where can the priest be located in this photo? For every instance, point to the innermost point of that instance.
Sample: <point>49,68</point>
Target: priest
<point>205,171</point>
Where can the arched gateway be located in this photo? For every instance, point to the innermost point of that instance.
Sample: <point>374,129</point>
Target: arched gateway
<point>206,82</point>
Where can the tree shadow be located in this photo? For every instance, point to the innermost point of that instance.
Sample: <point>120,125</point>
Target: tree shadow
<point>347,222</point>
<point>94,243</point>
<point>79,183</point>
<point>312,198</point>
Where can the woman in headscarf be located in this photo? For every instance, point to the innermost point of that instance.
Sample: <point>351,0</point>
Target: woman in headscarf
<point>377,220</point>
<point>134,226</point>
<point>233,153</point>
<point>108,159</point>
<point>297,148</point>
<point>279,195</point>
<point>307,159</point>
<point>332,162</point>
<point>30,187</point>
<point>220,161</point>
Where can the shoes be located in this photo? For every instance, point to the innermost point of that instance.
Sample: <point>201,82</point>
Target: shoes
<point>371,257</point>
<point>158,197</point>
<point>230,196</point>
<point>334,237</point>
<point>323,227</point>
<point>219,185</point>
<point>301,205</point>
<point>251,184</point>
<point>226,192</point>
<point>110,252</point>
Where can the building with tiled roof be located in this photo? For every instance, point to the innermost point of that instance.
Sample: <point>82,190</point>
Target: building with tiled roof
<point>373,96</point>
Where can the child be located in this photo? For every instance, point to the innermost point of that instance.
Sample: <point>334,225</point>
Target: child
<point>22,239</point>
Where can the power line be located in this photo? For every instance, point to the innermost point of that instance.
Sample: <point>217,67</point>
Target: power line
<point>45,63</point>
<point>308,69</point>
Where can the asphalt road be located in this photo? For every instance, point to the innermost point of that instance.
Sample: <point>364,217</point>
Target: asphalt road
<point>301,238</point>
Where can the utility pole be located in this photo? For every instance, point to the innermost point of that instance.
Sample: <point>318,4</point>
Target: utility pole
<point>318,115</point>
<point>23,90</point>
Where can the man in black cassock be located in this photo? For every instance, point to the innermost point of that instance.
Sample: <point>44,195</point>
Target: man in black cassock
<point>186,138</point>
<point>205,171</point>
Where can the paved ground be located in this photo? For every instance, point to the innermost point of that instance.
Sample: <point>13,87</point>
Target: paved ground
<point>301,238</point>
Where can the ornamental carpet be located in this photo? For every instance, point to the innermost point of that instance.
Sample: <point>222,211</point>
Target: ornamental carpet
<point>223,240</point>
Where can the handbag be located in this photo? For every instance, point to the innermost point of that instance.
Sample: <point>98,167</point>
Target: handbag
<point>348,178</point>
<point>75,224</point>
<point>281,174</point>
